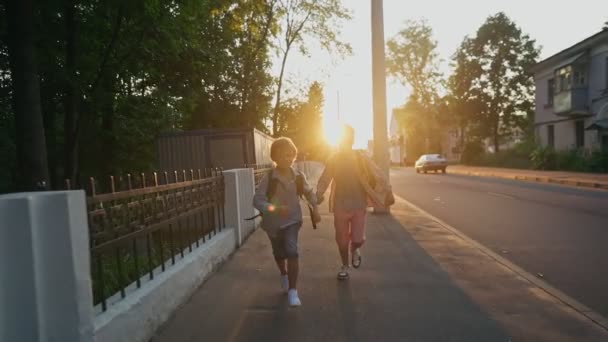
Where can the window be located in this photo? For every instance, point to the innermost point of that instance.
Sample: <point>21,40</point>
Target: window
<point>563,78</point>
<point>579,131</point>
<point>580,79</point>
<point>604,142</point>
<point>550,91</point>
<point>550,136</point>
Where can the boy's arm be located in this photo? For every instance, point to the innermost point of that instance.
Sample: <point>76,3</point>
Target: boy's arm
<point>309,193</point>
<point>325,179</point>
<point>260,201</point>
<point>381,181</point>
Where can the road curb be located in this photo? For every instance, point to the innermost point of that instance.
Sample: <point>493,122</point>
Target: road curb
<point>582,309</point>
<point>538,179</point>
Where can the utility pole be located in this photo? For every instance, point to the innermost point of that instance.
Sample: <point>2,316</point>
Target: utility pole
<point>381,156</point>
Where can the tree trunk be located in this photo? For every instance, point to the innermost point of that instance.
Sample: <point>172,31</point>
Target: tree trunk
<point>32,164</point>
<point>49,115</point>
<point>108,141</point>
<point>496,137</point>
<point>275,116</point>
<point>70,163</point>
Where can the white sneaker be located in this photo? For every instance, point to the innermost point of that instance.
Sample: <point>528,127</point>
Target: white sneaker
<point>356,258</point>
<point>292,298</point>
<point>343,273</point>
<point>284,283</point>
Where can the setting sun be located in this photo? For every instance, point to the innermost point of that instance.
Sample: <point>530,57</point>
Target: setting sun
<point>331,130</point>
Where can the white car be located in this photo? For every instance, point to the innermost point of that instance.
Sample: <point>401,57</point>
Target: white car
<point>431,162</point>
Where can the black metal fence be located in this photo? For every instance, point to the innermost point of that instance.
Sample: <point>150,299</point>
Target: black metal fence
<point>142,224</point>
<point>259,170</point>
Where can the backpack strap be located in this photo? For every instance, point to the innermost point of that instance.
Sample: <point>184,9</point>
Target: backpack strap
<point>273,183</point>
<point>300,184</point>
<point>271,188</point>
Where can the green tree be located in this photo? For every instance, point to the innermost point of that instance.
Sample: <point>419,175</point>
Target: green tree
<point>32,165</point>
<point>114,74</point>
<point>505,85</point>
<point>290,118</point>
<point>311,125</point>
<point>303,21</point>
<point>413,60</point>
<point>464,99</point>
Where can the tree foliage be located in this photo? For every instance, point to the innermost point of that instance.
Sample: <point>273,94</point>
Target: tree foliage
<point>413,60</point>
<point>114,74</point>
<point>301,119</point>
<point>304,22</point>
<point>492,87</point>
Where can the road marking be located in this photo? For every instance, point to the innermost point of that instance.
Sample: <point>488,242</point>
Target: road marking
<point>498,194</point>
<point>577,306</point>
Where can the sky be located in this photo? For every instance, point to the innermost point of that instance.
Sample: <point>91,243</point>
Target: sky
<point>555,25</point>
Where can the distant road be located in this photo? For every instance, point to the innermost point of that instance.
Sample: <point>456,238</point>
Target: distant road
<point>558,233</point>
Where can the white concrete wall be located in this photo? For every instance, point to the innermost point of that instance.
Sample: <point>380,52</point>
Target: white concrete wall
<point>137,317</point>
<point>543,111</point>
<point>45,292</point>
<point>45,285</point>
<point>597,71</point>
<point>565,137</point>
<point>240,188</point>
<point>45,276</point>
<point>144,310</point>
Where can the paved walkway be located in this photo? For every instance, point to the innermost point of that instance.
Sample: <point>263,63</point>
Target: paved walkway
<point>591,180</point>
<point>419,282</point>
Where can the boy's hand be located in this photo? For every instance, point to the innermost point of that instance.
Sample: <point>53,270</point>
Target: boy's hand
<point>316,217</point>
<point>320,198</point>
<point>282,211</point>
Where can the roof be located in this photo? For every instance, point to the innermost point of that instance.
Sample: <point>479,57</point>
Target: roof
<point>213,131</point>
<point>572,51</point>
<point>598,124</point>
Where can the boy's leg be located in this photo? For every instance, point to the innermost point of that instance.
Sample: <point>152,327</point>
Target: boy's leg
<point>358,228</point>
<point>357,235</point>
<point>341,224</point>
<point>278,251</point>
<point>282,265</point>
<point>291,251</point>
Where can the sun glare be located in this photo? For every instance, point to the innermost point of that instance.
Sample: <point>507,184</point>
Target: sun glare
<point>332,130</point>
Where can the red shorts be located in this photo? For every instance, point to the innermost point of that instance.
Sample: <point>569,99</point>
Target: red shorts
<point>350,226</point>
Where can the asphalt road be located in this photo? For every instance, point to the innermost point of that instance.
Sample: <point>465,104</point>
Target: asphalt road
<point>555,232</point>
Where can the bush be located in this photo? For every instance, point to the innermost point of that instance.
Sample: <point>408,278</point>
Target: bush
<point>528,155</point>
<point>516,157</point>
<point>577,160</point>
<point>598,161</point>
<point>543,158</point>
<point>472,152</point>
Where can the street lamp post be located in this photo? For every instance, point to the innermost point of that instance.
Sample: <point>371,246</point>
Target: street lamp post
<point>380,149</point>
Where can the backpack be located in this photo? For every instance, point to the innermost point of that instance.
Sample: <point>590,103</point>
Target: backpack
<point>272,188</point>
<point>273,183</point>
<point>371,179</point>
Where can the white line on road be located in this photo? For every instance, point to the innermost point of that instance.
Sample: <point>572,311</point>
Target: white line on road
<point>498,194</point>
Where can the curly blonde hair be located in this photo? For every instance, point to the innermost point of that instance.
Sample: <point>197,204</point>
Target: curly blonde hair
<point>282,144</point>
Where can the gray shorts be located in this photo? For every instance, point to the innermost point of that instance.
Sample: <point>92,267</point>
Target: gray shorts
<point>285,242</point>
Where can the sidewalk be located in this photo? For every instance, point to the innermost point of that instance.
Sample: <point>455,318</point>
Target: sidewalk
<point>419,281</point>
<point>580,179</point>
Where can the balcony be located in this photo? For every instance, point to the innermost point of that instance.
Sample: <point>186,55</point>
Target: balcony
<point>571,102</point>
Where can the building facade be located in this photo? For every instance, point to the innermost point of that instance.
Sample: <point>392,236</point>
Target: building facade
<point>572,96</point>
